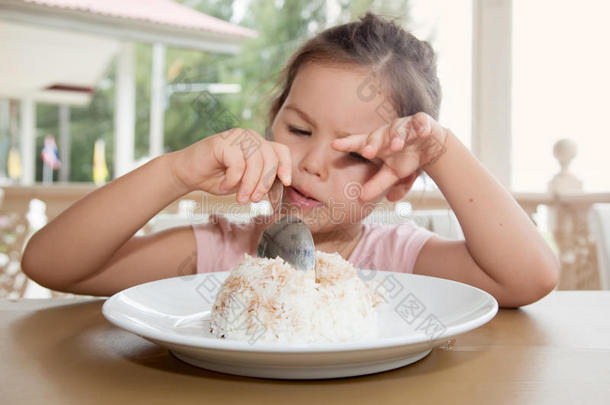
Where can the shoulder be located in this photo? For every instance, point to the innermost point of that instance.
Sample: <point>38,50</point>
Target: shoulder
<point>392,247</point>
<point>405,232</point>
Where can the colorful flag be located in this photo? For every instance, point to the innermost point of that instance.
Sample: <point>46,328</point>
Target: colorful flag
<point>100,170</point>
<point>49,153</point>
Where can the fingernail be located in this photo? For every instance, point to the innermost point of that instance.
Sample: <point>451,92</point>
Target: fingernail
<point>257,196</point>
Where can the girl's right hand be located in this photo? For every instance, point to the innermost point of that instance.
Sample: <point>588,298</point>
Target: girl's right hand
<point>237,160</point>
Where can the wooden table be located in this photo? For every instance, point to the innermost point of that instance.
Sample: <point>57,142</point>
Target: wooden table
<point>556,351</point>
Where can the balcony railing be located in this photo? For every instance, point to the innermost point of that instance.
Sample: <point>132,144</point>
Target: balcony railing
<point>566,223</point>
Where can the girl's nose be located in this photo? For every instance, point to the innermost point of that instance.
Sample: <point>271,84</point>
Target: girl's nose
<point>315,160</point>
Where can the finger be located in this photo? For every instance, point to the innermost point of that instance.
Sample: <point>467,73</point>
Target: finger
<point>234,160</point>
<point>284,170</point>
<point>378,184</point>
<point>398,134</point>
<point>374,142</point>
<point>411,131</point>
<point>421,124</point>
<point>350,143</point>
<point>254,167</point>
<point>268,174</point>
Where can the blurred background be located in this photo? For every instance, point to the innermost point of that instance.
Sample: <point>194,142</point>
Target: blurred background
<point>91,89</point>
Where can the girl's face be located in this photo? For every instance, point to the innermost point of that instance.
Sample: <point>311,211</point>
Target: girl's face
<point>326,103</point>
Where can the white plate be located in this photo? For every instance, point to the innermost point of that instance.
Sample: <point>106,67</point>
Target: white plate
<point>419,313</point>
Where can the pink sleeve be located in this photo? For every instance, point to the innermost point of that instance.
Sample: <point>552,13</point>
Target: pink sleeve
<point>391,247</point>
<point>221,243</point>
<point>410,239</point>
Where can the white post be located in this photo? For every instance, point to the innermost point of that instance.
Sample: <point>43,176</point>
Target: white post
<point>4,138</point>
<point>124,110</point>
<point>27,115</point>
<point>156,101</point>
<point>64,142</point>
<point>491,82</point>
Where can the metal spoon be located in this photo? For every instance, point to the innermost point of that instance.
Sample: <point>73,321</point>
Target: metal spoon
<point>276,195</point>
<point>288,237</point>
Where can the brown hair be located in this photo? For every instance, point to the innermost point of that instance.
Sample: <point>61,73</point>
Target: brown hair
<point>402,61</point>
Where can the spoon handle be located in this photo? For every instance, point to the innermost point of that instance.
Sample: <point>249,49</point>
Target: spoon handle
<point>275,195</point>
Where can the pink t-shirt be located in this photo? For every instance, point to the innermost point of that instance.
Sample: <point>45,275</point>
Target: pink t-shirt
<point>221,244</point>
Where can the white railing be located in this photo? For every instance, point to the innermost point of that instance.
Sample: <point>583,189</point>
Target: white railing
<point>566,205</point>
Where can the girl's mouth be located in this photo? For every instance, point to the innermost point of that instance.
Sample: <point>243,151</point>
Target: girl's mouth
<point>300,200</point>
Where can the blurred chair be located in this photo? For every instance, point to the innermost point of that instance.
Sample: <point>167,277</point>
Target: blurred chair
<point>15,229</point>
<point>599,228</point>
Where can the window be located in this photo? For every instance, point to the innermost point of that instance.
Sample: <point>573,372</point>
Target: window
<point>560,89</point>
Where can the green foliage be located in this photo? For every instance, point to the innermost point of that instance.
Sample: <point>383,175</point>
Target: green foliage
<point>87,124</point>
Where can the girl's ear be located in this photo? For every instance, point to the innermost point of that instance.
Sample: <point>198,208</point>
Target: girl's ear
<point>398,190</point>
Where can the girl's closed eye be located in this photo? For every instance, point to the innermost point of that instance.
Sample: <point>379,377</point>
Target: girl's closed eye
<point>353,155</point>
<point>359,157</point>
<point>298,131</point>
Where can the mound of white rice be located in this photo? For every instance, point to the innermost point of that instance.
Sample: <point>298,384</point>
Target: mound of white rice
<point>269,300</point>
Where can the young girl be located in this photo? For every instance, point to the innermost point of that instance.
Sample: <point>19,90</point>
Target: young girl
<point>355,122</point>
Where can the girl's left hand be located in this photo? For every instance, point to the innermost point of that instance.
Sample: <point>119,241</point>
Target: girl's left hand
<point>406,146</point>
